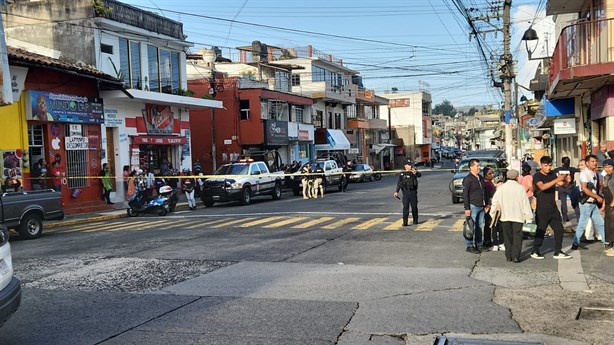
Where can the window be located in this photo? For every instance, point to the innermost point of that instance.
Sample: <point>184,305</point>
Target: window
<point>296,79</point>
<point>244,109</point>
<point>282,80</point>
<point>163,70</point>
<point>76,164</point>
<point>264,109</point>
<point>106,48</point>
<point>318,122</point>
<point>302,150</point>
<point>318,74</point>
<point>298,113</point>
<point>130,63</point>
<point>36,140</point>
<point>337,121</point>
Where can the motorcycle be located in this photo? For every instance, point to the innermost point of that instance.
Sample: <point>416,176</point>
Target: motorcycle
<point>162,204</point>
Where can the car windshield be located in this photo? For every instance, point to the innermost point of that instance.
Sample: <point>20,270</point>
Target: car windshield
<point>464,165</point>
<point>359,167</point>
<point>233,169</point>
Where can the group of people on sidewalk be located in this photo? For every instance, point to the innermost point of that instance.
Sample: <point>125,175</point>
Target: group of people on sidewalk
<point>500,211</point>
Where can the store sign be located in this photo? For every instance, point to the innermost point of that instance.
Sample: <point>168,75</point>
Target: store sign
<point>564,126</point>
<point>158,119</point>
<point>398,103</point>
<point>18,78</point>
<point>46,106</point>
<point>74,130</point>
<point>303,135</point>
<point>153,140</point>
<point>111,119</point>
<point>76,143</point>
<point>276,132</point>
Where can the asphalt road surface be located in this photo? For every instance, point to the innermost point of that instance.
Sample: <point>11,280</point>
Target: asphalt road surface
<point>336,270</point>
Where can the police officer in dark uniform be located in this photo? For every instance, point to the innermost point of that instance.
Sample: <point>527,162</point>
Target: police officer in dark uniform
<point>347,171</point>
<point>408,183</point>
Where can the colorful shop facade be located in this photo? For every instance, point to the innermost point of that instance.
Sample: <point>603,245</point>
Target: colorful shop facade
<point>56,117</point>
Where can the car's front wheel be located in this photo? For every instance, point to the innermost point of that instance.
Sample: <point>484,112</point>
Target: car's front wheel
<point>246,198</point>
<point>277,192</point>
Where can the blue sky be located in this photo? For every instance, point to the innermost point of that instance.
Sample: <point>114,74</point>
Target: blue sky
<point>393,43</point>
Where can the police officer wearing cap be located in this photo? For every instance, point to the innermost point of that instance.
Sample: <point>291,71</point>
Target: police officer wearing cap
<point>408,183</point>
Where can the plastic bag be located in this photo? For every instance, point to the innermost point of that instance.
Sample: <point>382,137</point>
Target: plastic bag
<point>468,229</point>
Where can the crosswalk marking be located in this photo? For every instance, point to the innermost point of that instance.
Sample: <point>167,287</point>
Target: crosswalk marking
<point>395,226</point>
<point>386,223</point>
<point>340,222</point>
<point>429,225</point>
<point>206,223</point>
<point>260,221</point>
<point>119,227</point>
<point>285,222</point>
<point>458,225</point>
<point>313,222</point>
<point>232,222</point>
<point>368,224</point>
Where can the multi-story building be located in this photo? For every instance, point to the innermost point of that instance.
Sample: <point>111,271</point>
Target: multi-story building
<point>260,112</point>
<point>146,125</point>
<point>580,87</point>
<point>412,109</point>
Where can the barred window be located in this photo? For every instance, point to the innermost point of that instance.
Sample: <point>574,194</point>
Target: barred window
<point>76,164</point>
<point>298,114</point>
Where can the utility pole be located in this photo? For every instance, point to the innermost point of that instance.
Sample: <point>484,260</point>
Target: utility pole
<point>507,76</point>
<point>212,92</point>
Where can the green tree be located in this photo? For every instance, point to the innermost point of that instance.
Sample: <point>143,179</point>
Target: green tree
<point>445,108</point>
<point>472,111</point>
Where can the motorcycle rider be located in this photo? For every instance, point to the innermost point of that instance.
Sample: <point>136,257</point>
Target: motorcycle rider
<point>408,183</point>
<point>317,181</point>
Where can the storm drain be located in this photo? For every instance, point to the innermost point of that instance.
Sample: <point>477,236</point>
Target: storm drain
<point>599,314</point>
<point>469,341</point>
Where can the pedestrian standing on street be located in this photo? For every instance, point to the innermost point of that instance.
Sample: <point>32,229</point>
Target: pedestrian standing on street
<point>608,195</point>
<point>526,180</point>
<point>533,164</point>
<point>591,202</point>
<point>511,201</point>
<point>491,235</point>
<point>347,171</point>
<point>131,184</point>
<point>546,212</point>
<point>564,192</point>
<point>106,184</point>
<point>602,154</point>
<point>316,182</point>
<point>408,183</point>
<point>305,172</point>
<point>125,174</point>
<point>475,202</point>
<point>188,189</point>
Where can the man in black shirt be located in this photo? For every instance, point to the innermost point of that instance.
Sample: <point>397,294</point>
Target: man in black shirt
<point>476,205</point>
<point>546,213</point>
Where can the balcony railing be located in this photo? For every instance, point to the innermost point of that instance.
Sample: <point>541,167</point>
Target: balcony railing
<point>582,44</point>
<point>136,17</point>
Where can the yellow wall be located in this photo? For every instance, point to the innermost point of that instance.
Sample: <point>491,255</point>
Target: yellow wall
<point>13,126</point>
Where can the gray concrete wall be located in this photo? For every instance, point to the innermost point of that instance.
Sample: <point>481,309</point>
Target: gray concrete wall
<point>61,25</point>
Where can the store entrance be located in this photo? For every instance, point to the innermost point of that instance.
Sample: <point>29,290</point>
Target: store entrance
<point>158,159</point>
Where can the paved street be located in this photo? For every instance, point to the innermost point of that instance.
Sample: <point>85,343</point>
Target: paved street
<point>337,270</point>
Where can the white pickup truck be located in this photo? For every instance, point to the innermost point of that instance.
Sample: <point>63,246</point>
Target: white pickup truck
<point>241,181</point>
<point>333,175</point>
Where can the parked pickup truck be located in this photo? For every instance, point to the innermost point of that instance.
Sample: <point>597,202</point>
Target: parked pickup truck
<point>333,175</point>
<point>25,211</point>
<point>241,181</point>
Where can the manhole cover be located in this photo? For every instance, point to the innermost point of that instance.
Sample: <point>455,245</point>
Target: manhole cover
<point>600,314</point>
<point>469,341</point>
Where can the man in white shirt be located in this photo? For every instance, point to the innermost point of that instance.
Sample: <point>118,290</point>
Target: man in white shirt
<point>590,201</point>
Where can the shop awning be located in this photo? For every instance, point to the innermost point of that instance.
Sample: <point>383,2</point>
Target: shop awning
<point>335,140</point>
<point>160,98</point>
<point>159,140</point>
<point>377,148</point>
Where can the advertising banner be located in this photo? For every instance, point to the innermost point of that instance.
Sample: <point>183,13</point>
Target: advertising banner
<point>46,106</point>
<point>276,132</point>
<point>158,119</point>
